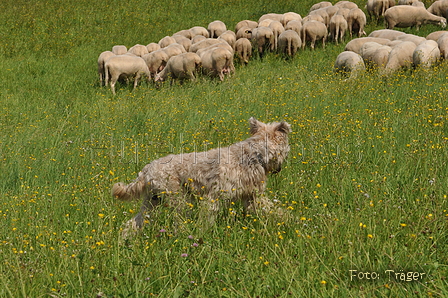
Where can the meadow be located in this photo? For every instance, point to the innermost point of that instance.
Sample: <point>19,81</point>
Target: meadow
<point>363,193</point>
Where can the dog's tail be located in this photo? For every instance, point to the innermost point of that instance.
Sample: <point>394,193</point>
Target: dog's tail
<point>127,192</point>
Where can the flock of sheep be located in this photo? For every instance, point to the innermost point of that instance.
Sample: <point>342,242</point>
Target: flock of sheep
<point>212,50</point>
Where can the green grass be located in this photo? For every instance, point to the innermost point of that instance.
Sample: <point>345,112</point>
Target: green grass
<point>364,188</point>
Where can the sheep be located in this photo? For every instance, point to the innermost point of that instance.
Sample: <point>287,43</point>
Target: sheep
<point>436,35</point>
<point>290,16</point>
<point>265,23</point>
<point>244,32</point>
<point>125,66</point>
<point>380,57</point>
<point>346,4</point>
<point>229,37</point>
<point>313,31</point>
<point>320,5</point>
<point>119,50</point>
<point>197,39</point>
<point>138,50</point>
<point>439,8</point>
<point>151,47</point>
<point>203,44</point>
<point>102,58</point>
<point>217,62</point>
<point>166,41</point>
<point>294,25</point>
<point>222,44</point>
<point>184,33</point>
<point>243,50</point>
<point>245,23</point>
<point>338,26</point>
<point>411,37</point>
<point>442,42</point>
<point>403,16</point>
<point>343,12</point>
<point>386,33</point>
<point>277,28</point>
<point>377,8</point>
<point>182,40</point>
<point>216,28</point>
<point>349,62</point>
<point>323,13</point>
<point>264,39</point>
<point>271,16</point>
<point>289,42</point>
<point>356,21</point>
<point>156,61</point>
<point>368,51</point>
<point>426,54</point>
<point>174,50</point>
<point>313,17</point>
<point>198,30</point>
<point>355,45</point>
<point>401,56</point>
<point>183,66</point>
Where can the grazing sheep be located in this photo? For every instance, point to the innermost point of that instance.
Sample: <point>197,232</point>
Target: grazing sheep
<point>217,62</point>
<point>184,33</point>
<point>183,66</point>
<point>401,56</point>
<point>277,28</point>
<point>270,16</point>
<point>349,64</point>
<point>294,25</point>
<point>377,8</point>
<point>198,30</point>
<point>343,12</point>
<point>151,47</point>
<point>289,42</point>
<point>386,33</point>
<point>439,8</point>
<point>197,39</point>
<point>138,50</point>
<point>166,41</point>
<point>320,5</point>
<point>102,58</point>
<point>313,17</point>
<point>182,40</point>
<point>313,31</point>
<point>243,50</point>
<point>229,37</point>
<point>156,61</point>
<point>411,37</point>
<point>264,39</point>
<point>204,44</point>
<point>346,4</point>
<point>426,54</point>
<point>442,42</point>
<point>222,44</point>
<point>125,66</point>
<point>245,23</point>
<point>355,45</point>
<point>265,23</point>
<point>174,50</point>
<point>435,35</point>
<point>119,50</point>
<point>404,16</point>
<point>290,16</point>
<point>244,32</point>
<point>338,27</point>
<point>323,13</point>
<point>368,51</point>
<point>332,10</point>
<point>216,28</point>
<point>356,21</point>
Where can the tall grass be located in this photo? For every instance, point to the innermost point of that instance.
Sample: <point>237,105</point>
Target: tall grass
<point>364,187</point>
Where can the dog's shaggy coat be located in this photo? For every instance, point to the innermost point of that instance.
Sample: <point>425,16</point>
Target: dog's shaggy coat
<point>237,172</point>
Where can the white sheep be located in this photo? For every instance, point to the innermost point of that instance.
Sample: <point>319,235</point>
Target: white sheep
<point>426,54</point>
<point>119,50</point>
<point>166,41</point>
<point>229,37</point>
<point>182,40</point>
<point>138,50</point>
<point>338,27</point>
<point>151,47</point>
<point>156,61</point>
<point>204,44</point>
<point>381,56</point>
<point>199,30</point>
<point>436,35</point>
<point>197,39</point>
<point>377,8</point>
<point>439,8</point>
<point>174,49</point>
<point>401,56</point>
<point>323,13</point>
<point>263,39</point>
<point>271,16</point>
<point>349,63</point>
<point>411,37</point>
<point>386,33</point>
<point>368,50</point>
<point>185,33</point>
<point>216,28</point>
<point>355,45</point>
<point>346,4</point>
<point>125,66</point>
<point>102,58</point>
<point>320,5</point>
<point>332,10</point>
<point>243,50</point>
<point>442,42</point>
<point>290,16</point>
<point>403,16</point>
<point>356,21</point>
<point>294,25</point>
<point>343,12</point>
<point>313,31</point>
<point>217,62</point>
<point>183,66</point>
<point>289,42</point>
<point>245,23</point>
<point>277,28</point>
<point>244,32</point>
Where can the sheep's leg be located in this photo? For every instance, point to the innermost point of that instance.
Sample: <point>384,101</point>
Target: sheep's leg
<point>137,76</point>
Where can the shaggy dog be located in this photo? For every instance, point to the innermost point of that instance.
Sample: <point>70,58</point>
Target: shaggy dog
<point>237,172</point>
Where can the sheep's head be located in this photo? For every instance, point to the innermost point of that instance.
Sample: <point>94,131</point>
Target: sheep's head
<point>443,23</point>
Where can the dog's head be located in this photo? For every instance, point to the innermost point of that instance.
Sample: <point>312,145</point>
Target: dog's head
<point>274,137</point>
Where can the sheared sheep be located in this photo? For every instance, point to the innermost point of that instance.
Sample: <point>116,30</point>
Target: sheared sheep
<point>119,50</point>
<point>289,42</point>
<point>216,28</point>
<point>125,66</point>
<point>217,62</point>
<point>101,61</point>
<point>404,16</point>
<point>183,66</point>
<point>313,31</point>
<point>426,54</point>
<point>338,27</point>
<point>356,21</point>
<point>243,50</point>
<point>401,56</point>
<point>349,64</point>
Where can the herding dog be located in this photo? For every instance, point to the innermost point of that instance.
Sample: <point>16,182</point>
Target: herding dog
<point>237,172</point>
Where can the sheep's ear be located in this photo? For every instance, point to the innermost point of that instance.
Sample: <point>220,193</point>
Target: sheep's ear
<point>283,127</point>
<point>254,125</point>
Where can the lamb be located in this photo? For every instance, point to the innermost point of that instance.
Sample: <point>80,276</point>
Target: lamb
<point>426,54</point>
<point>401,56</point>
<point>403,16</point>
<point>138,50</point>
<point>355,45</point>
<point>101,61</point>
<point>119,50</point>
<point>217,62</point>
<point>338,26</point>
<point>277,28</point>
<point>439,8</point>
<point>349,62</point>
<point>356,21</point>
<point>156,61</point>
<point>125,66</point>
<point>289,42</point>
<point>216,28</point>
<point>183,66</point>
<point>313,31</point>
<point>243,50</point>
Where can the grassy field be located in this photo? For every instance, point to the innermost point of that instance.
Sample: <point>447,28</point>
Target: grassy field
<point>364,191</point>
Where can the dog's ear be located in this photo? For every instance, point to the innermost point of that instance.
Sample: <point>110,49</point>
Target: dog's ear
<point>284,127</point>
<point>254,125</point>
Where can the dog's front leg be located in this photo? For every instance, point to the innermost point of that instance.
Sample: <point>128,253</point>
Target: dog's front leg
<point>137,222</point>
